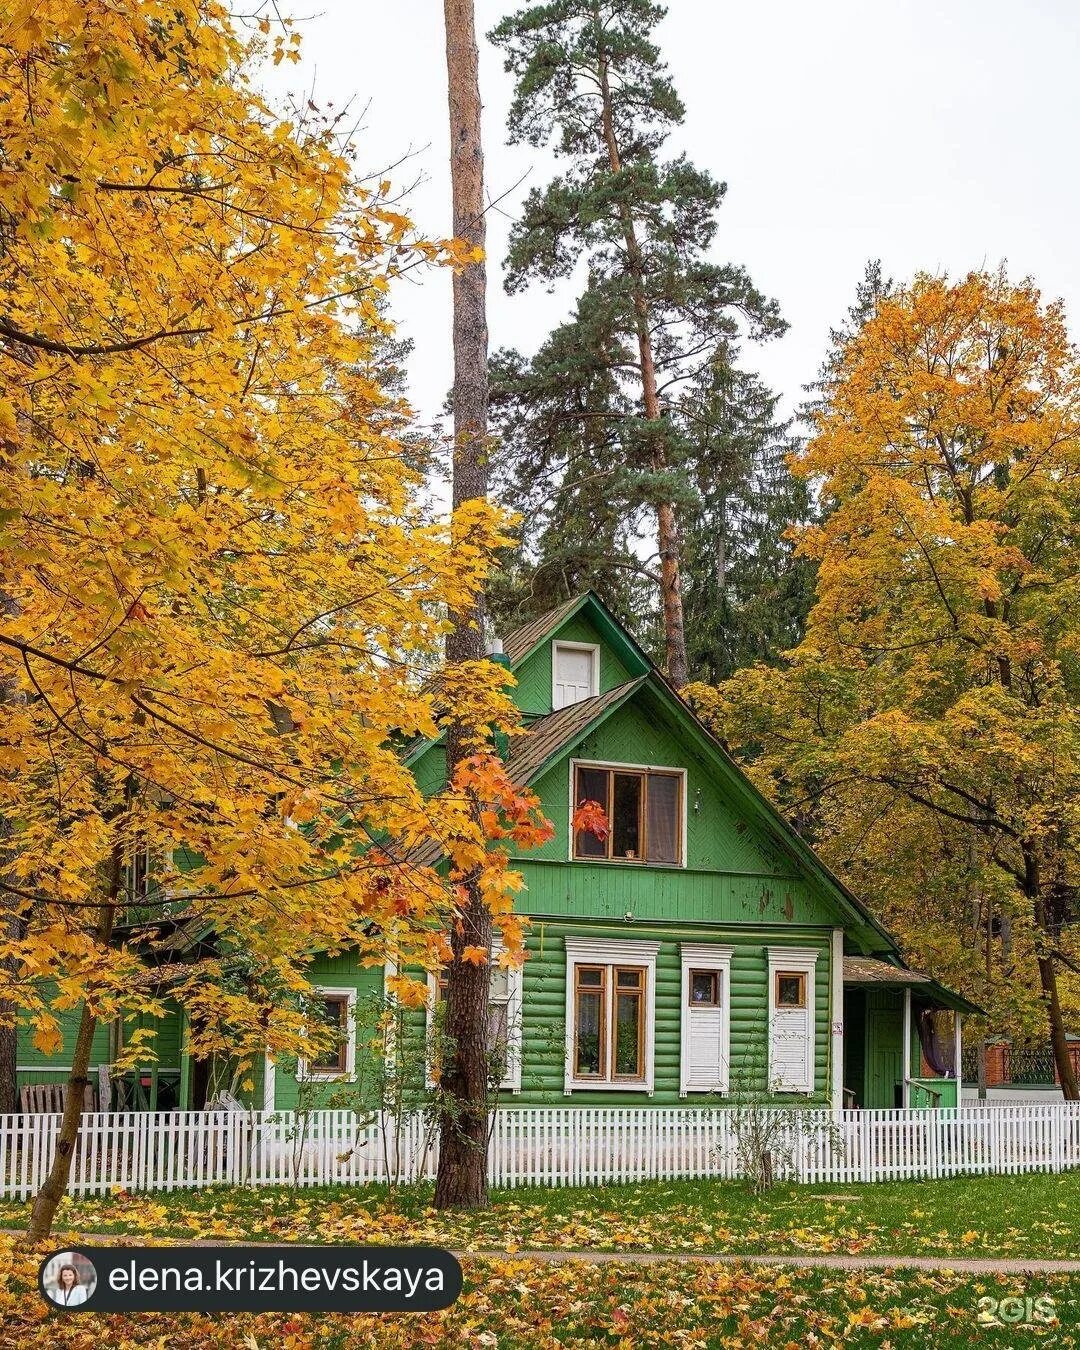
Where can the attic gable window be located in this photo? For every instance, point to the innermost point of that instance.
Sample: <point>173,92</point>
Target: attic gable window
<point>644,809</point>
<point>575,673</point>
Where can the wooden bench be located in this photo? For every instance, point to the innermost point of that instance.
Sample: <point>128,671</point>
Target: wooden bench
<point>48,1098</point>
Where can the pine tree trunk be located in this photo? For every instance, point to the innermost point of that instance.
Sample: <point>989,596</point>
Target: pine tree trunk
<point>667,521</point>
<point>463,1126</point>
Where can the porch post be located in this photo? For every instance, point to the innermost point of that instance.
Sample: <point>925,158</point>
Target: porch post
<point>184,1091</point>
<point>836,1014</point>
<point>958,1046</point>
<point>905,1060</point>
<point>269,1082</point>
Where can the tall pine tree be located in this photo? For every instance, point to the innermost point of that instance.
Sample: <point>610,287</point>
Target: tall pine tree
<point>597,410</point>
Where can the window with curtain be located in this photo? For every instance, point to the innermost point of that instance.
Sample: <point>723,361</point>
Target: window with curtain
<point>644,810</point>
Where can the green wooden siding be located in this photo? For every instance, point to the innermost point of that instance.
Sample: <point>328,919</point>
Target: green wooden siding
<point>533,693</point>
<point>342,971</point>
<point>544,1011</point>
<point>873,1050</point>
<point>611,890</point>
<point>35,1067</point>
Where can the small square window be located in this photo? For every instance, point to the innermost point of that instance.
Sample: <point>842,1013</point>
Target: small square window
<point>704,989</point>
<point>790,989</point>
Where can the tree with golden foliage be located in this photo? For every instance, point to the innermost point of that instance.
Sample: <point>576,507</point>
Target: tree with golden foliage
<point>219,587</point>
<point>927,728</point>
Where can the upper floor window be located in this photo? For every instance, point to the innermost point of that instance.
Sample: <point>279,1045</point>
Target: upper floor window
<point>644,811</point>
<point>575,673</point>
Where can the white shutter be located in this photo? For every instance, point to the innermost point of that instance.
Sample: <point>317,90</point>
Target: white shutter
<point>791,1029</point>
<point>705,1049</point>
<point>789,1057</point>
<point>573,676</point>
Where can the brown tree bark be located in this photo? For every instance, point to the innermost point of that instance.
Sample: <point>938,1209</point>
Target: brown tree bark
<point>1033,886</point>
<point>12,926</point>
<point>1060,1045</point>
<point>463,1127</point>
<point>55,1184</point>
<point>667,521</point>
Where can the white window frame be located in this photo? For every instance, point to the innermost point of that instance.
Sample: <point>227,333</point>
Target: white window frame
<point>582,951</point>
<point>713,957</point>
<point>576,764</point>
<point>594,674</point>
<point>305,1070</point>
<point>511,1081</point>
<point>799,961</point>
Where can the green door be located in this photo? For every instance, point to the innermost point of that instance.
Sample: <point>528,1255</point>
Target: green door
<point>884,1059</point>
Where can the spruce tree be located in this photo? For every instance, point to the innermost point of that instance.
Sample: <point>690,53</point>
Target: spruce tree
<point>656,309</point>
<point>747,595</point>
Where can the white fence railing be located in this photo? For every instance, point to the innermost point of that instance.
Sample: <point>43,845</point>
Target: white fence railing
<point>552,1146</point>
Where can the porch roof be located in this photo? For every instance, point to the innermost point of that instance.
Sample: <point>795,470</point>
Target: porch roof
<point>868,972</point>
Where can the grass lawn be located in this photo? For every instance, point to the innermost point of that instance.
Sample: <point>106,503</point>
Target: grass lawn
<point>511,1302</point>
<point>518,1305</point>
<point>1036,1215</point>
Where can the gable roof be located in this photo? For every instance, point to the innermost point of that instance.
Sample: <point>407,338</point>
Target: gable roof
<point>532,750</point>
<point>522,642</point>
<point>556,732</point>
<point>518,644</point>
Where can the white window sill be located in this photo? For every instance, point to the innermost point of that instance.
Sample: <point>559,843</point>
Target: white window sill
<point>589,1085</point>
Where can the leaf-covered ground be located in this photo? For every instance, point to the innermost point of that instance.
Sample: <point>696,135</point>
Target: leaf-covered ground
<point>520,1304</point>
<point>1013,1216</point>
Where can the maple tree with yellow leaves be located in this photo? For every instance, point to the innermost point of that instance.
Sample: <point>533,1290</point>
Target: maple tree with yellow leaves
<point>927,728</point>
<point>218,586</point>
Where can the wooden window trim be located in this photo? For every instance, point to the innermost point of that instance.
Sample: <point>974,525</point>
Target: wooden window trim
<point>645,773</point>
<point>792,961</point>
<point>601,991</point>
<point>705,957</point>
<point>799,975</point>
<point>714,975</point>
<point>614,953</point>
<point>638,994</point>
<point>345,1065</point>
<point>594,668</point>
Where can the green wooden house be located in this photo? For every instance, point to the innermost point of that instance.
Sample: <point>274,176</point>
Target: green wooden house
<point>699,950</point>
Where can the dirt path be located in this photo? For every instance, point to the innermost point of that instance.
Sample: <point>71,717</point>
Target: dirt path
<point>967,1265</point>
<point>963,1265</point>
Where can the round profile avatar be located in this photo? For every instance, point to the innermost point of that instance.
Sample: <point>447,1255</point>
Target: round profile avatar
<point>69,1279</point>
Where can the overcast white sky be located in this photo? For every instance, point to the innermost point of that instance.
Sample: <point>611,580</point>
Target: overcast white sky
<point>936,134</point>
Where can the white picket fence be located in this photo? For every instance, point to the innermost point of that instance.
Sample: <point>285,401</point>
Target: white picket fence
<point>548,1146</point>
